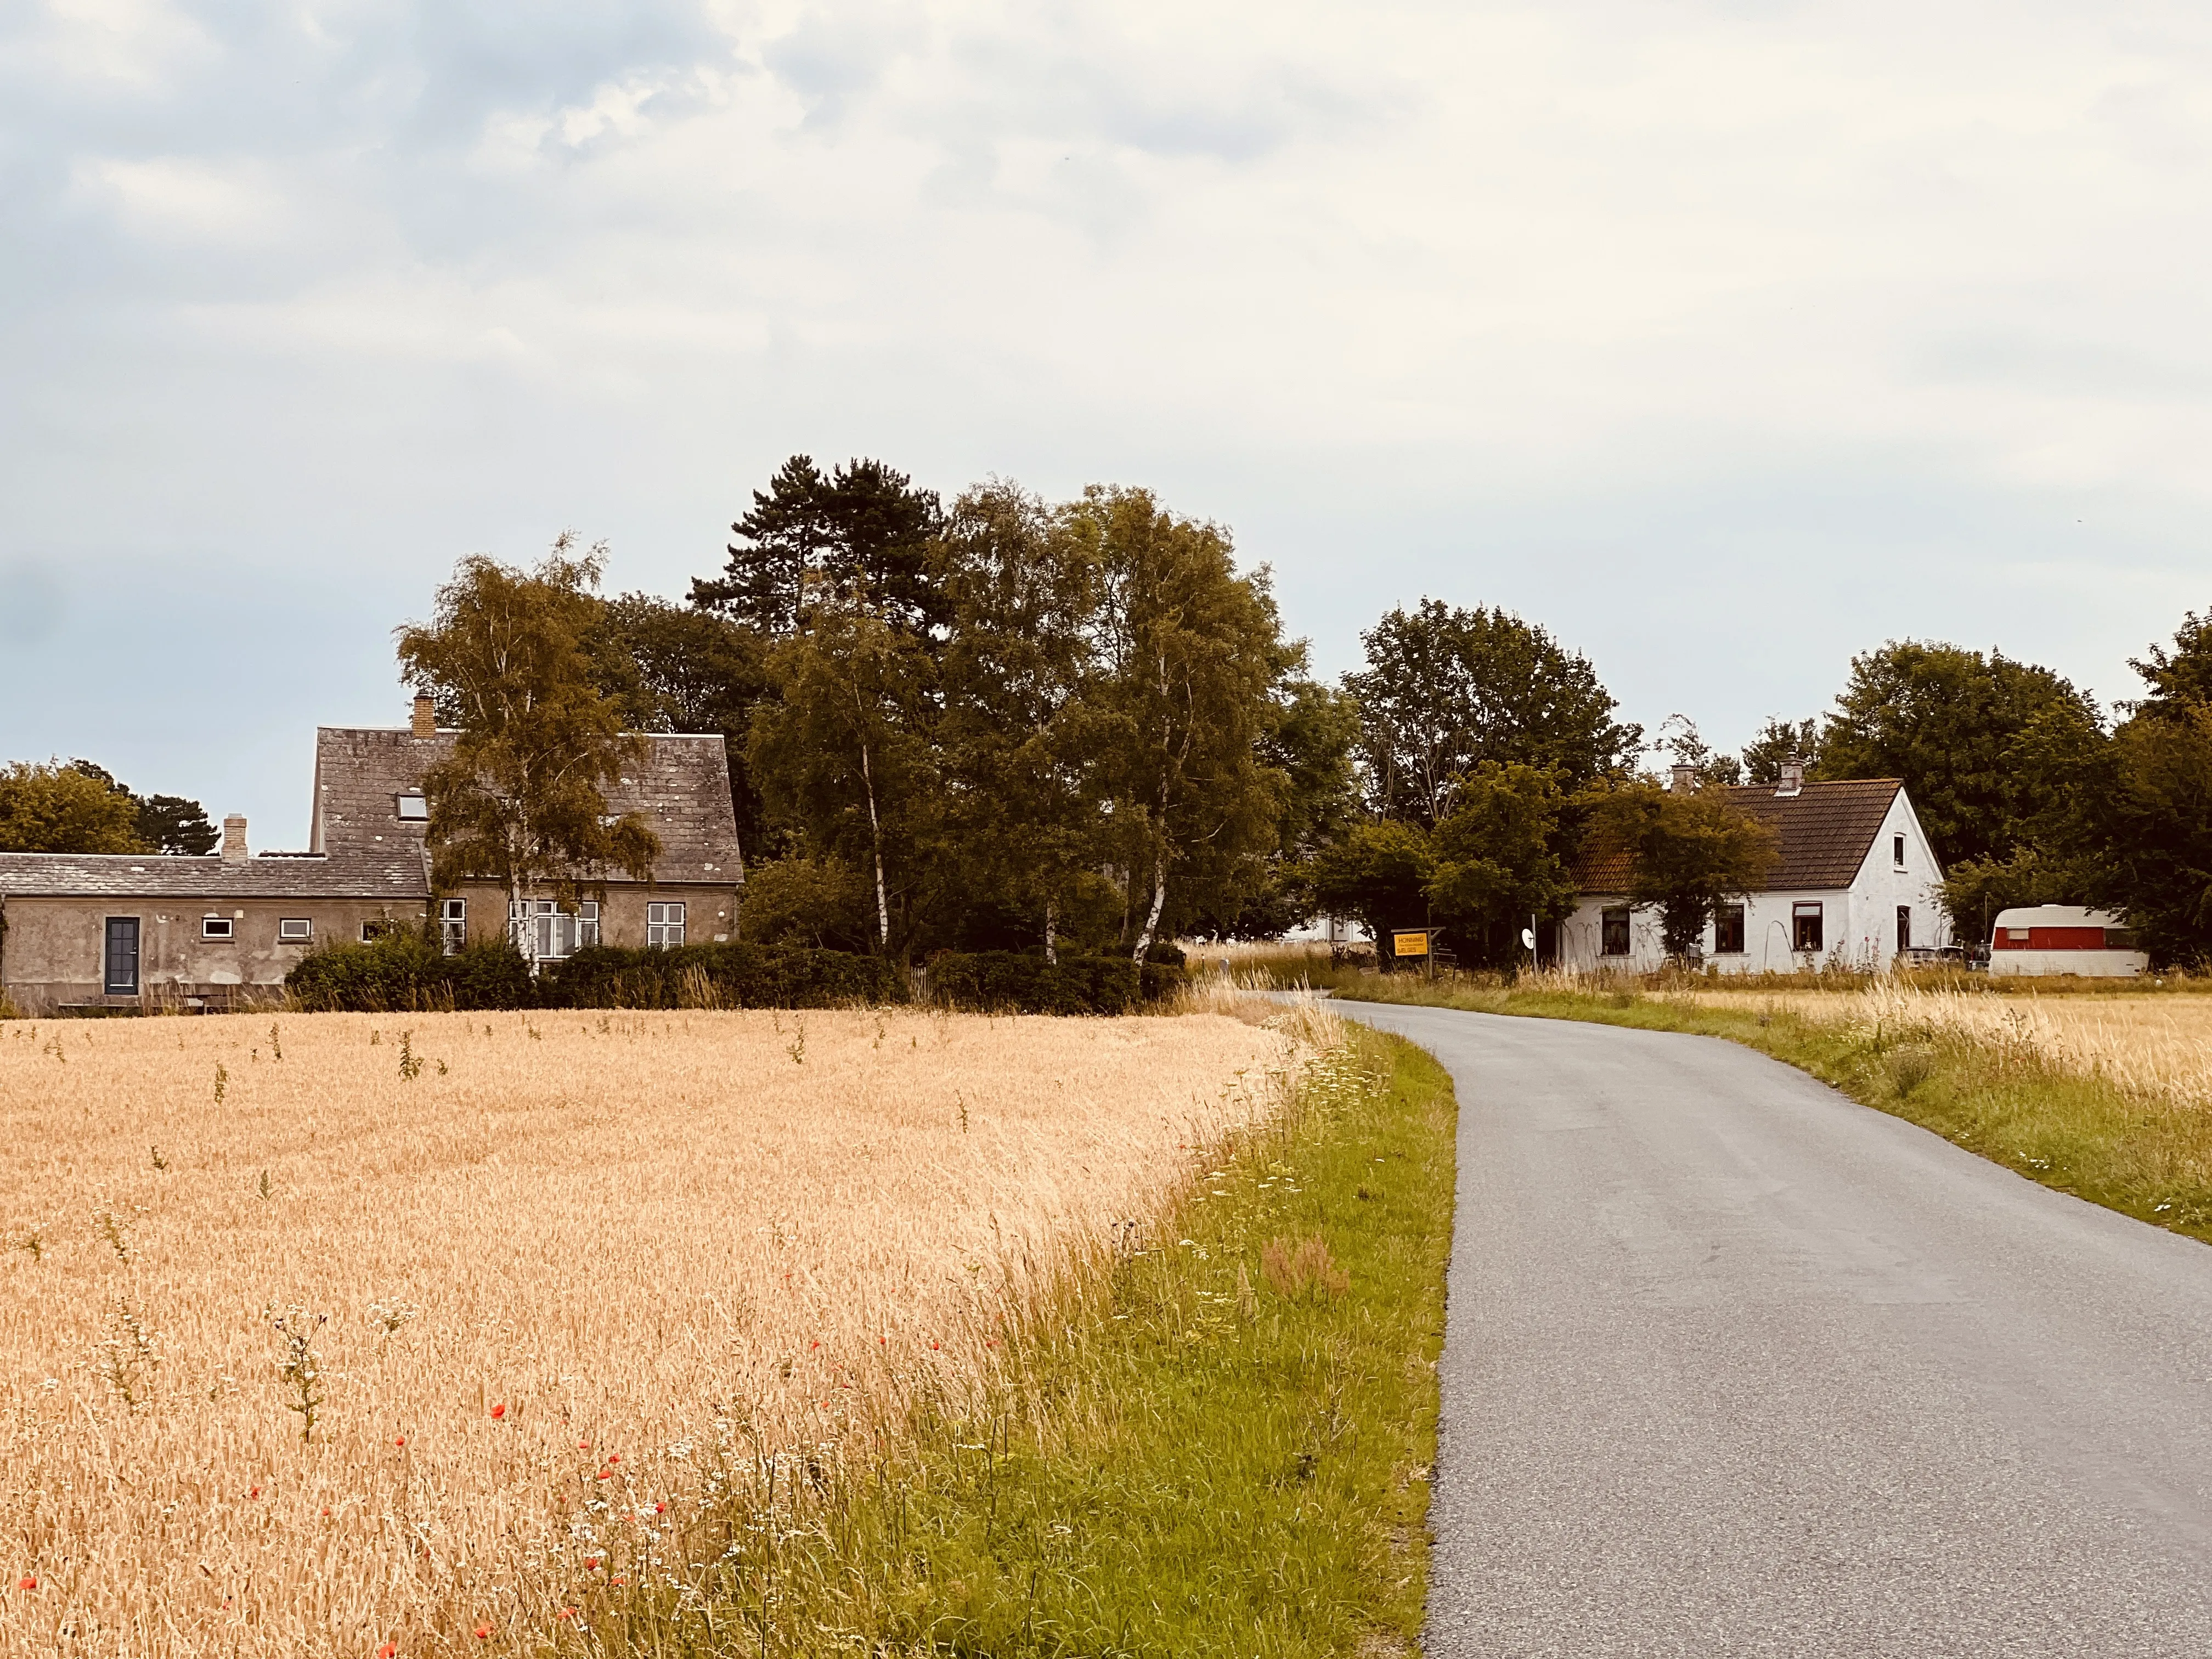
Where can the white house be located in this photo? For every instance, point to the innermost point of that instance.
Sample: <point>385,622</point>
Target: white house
<point>1854,883</point>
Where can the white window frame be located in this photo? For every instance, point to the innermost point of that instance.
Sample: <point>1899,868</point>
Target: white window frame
<point>543,931</point>
<point>292,929</point>
<point>1897,851</point>
<point>1815,911</point>
<point>452,924</point>
<point>664,923</point>
<point>222,927</point>
<point>403,799</point>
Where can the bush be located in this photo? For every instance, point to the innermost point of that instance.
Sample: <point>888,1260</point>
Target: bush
<point>733,975</point>
<point>1009,980</point>
<point>406,970</point>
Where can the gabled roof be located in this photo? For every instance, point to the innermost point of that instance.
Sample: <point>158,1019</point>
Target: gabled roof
<point>1823,832</point>
<point>396,872</point>
<point>680,785</point>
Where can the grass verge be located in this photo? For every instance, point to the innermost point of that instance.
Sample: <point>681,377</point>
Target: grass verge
<point>1218,1443</point>
<point>2146,1158</point>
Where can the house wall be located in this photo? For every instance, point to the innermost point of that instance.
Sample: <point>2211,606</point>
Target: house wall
<point>711,911</point>
<point>1859,922</point>
<point>51,949</point>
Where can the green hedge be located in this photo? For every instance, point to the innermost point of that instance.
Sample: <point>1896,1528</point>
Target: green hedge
<point>718,975</point>
<point>1009,980</point>
<point>407,971</point>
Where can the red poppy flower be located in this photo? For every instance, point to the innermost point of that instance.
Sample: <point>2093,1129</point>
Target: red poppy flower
<point>387,1651</point>
<point>812,1345</point>
<point>483,1632</point>
<point>661,1509</point>
<point>606,1474</point>
<point>398,1439</point>
<point>568,1612</point>
<point>327,1509</point>
<point>256,1492</point>
<point>498,1411</point>
<point>591,1564</point>
<point>614,1457</point>
<point>27,1583</point>
<point>933,1344</point>
<point>618,1581</point>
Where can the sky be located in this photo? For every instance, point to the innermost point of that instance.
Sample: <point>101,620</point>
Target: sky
<point>1722,340</point>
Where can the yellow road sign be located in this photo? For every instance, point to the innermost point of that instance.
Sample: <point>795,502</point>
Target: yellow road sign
<point>1409,945</point>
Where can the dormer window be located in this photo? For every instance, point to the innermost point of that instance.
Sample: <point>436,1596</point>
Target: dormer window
<point>414,808</point>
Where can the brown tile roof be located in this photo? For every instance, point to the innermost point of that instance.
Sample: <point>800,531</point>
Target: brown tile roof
<point>680,785</point>
<point>1823,831</point>
<point>397,873</point>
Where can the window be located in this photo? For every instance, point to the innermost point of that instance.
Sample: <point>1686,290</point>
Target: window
<point>122,957</point>
<point>663,926</point>
<point>1613,932</point>
<point>1904,928</point>
<point>543,931</point>
<point>295,928</point>
<point>588,924</point>
<point>372,931</point>
<point>217,927</point>
<point>2121,939</point>
<point>1805,927</point>
<point>416,809</point>
<point>452,924</point>
<point>1897,850</point>
<point>1727,931</point>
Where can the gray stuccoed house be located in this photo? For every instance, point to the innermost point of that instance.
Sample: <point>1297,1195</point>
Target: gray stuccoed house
<point>123,933</point>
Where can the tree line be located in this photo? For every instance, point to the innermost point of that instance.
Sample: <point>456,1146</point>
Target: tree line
<point>1007,723</point>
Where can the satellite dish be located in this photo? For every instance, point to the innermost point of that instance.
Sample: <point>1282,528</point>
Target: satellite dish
<point>1527,939</point>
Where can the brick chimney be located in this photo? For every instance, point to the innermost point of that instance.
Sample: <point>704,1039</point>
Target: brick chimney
<point>233,839</point>
<point>426,716</point>
<point>1792,780</point>
<point>1685,779</point>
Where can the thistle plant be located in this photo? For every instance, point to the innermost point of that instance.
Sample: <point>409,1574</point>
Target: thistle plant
<point>126,1354</point>
<point>411,1065</point>
<point>221,1081</point>
<point>297,1366</point>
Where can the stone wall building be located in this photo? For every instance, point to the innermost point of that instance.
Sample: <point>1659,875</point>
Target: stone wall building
<point>126,932</point>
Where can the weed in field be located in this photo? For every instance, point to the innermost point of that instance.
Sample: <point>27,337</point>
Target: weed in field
<point>410,1066</point>
<point>297,1366</point>
<point>1909,1068</point>
<point>127,1356</point>
<point>222,1081</point>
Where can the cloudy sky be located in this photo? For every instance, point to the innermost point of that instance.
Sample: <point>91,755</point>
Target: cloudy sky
<point>1722,339</point>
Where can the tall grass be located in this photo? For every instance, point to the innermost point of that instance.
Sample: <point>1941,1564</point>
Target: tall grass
<point>418,1330</point>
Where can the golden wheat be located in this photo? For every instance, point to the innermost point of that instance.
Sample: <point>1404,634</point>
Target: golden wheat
<point>2159,1047</point>
<point>338,1334</point>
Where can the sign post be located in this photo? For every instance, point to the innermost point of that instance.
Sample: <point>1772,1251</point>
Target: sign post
<point>1415,943</point>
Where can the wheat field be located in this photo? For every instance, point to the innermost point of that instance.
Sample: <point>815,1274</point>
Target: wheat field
<point>376,1334</point>
<point>2157,1047</point>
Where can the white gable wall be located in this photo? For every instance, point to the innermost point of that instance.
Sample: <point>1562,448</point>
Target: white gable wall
<point>1859,922</point>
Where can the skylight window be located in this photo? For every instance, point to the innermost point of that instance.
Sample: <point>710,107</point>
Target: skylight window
<point>414,808</point>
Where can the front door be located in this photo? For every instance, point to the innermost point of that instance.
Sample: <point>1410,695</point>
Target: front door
<point>122,956</point>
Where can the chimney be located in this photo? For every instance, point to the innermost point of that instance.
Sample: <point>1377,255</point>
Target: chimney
<point>1792,780</point>
<point>233,839</point>
<point>1685,779</point>
<point>426,716</point>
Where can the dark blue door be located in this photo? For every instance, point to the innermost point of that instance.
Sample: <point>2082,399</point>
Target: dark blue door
<point>123,956</point>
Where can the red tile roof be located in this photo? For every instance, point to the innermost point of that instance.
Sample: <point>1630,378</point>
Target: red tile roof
<point>1823,831</point>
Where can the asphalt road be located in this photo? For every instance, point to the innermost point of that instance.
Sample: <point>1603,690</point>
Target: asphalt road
<point>1733,1365</point>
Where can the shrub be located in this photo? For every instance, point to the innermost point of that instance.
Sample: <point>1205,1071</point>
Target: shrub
<point>1009,980</point>
<point>406,970</point>
<point>732,976</point>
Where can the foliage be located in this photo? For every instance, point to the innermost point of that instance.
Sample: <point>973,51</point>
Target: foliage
<point>2156,828</point>
<point>174,825</point>
<point>404,970</point>
<point>1689,852</point>
<point>858,536</point>
<point>1497,862</point>
<point>1007,981</point>
<point>803,900</point>
<point>1777,741</point>
<point>1975,889</point>
<point>1446,688</point>
<point>1679,737</point>
<point>728,975</point>
<point>520,800</point>
<point>74,808</point>
<point>1980,742</point>
<point>1380,873</point>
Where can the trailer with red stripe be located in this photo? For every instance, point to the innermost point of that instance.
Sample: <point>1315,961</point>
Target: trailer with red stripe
<point>2047,940</point>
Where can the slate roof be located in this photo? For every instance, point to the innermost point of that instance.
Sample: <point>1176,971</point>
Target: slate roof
<point>680,785</point>
<point>1824,832</point>
<point>398,874</point>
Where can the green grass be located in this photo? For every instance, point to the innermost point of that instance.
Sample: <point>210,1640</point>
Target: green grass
<point>2084,1135</point>
<point>1194,1455</point>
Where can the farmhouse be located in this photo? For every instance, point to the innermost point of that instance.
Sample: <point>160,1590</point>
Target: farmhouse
<point>1854,883</point>
<point>128,932</point>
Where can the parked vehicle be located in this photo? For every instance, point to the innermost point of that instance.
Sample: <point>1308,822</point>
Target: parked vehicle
<point>2064,938</point>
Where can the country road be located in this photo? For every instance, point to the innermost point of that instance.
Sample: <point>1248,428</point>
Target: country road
<point>1733,1365</point>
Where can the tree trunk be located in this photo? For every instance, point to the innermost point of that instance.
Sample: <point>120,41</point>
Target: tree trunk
<point>876,835</point>
<point>1051,915</point>
<point>1159,897</point>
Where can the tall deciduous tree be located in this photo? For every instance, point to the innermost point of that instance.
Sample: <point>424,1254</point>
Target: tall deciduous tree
<point>1194,655</point>
<point>1777,741</point>
<point>74,808</point>
<point>1956,727</point>
<point>1446,689</point>
<point>1498,861</point>
<point>520,798</point>
<point>1689,852</point>
<point>1377,873</point>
